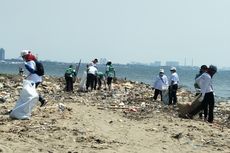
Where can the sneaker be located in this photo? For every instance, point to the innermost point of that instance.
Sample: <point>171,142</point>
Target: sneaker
<point>43,103</point>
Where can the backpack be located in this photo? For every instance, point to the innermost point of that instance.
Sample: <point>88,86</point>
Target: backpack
<point>39,68</point>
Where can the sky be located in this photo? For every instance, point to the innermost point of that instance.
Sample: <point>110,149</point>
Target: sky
<point>188,31</point>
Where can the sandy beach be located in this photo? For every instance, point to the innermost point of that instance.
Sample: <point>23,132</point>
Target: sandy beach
<point>125,120</point>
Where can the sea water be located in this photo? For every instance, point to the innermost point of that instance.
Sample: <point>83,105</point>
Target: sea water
<point>140,73</point>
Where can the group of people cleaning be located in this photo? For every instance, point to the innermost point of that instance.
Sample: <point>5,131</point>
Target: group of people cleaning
<point>203,86</point>
<point>162,83</point>
<point>94,78</point>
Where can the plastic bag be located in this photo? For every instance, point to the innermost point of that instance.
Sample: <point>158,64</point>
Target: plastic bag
<point>26,102</point>
<point>165,97</point>
<point>165,87</point>
<point>82,85</point>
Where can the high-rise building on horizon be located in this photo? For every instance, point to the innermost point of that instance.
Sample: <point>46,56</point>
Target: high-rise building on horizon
<point>172,63</point>
<point>2,54</point>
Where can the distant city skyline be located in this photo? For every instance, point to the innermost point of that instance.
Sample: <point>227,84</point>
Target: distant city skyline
<point>103,60</point>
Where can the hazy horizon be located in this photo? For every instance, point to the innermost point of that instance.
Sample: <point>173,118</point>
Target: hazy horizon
<point>122,31</point>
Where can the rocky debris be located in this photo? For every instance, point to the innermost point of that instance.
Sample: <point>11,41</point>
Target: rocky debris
<point>105,121</point>
<point>132,99</point>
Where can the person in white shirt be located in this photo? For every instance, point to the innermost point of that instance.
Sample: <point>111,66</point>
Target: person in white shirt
<point>203,69</point>
<point>160,83</point>
<point>207,97</point>
<point>30,65</point>
<point>94,63</point>
<point>91,77</point>
<point>173,86</point>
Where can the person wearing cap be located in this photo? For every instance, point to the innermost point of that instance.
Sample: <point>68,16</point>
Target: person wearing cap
<point>160,83</point>
<point>173,86</point>
<point>203,69</point>
<point>207,97</point>
<point>30,66</point>
<point>110,74</point>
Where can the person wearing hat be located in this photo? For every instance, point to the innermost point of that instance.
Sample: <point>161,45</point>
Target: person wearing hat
<point>160,83</point>
<point>207,97</point>
<point>30,66</point>
<point>173,86</point>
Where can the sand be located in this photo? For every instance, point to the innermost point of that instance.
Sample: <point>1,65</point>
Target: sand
<point>104,122</point>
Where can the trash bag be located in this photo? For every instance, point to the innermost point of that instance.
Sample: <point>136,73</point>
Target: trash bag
<point>82,84</point>
<point>186,108</point>
<point>26,102</point>
<point>165,97</point>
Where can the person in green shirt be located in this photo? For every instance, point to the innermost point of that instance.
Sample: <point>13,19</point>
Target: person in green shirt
<point>110,74</point>
<point>70,75</point>
<point>100,79</point>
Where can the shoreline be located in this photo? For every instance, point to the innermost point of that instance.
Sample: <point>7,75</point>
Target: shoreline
<point>144,74</point>
<point>102,121</point>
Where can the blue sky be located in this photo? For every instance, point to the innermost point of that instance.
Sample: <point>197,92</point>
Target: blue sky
<point>120,30</point>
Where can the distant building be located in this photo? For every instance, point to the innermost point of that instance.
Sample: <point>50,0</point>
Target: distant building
<point>172,63</point>
<point>2,54</point>
<point>156,63</point>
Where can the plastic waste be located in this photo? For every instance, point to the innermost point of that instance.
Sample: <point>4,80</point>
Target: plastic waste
<point>26,102</point>
<point>165,97</point>
<point>82,84</point>
<point>61,107</point>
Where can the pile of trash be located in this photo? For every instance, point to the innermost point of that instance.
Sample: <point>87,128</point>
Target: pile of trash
<point>132,99</point>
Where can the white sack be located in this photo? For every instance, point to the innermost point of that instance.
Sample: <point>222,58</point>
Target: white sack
<point>82,85</point>
<point>26,102</point>
<point>165,97</point>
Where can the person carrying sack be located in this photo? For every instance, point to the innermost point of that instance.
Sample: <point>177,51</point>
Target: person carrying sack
<point>207,96</point>
<point>31,67</point>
